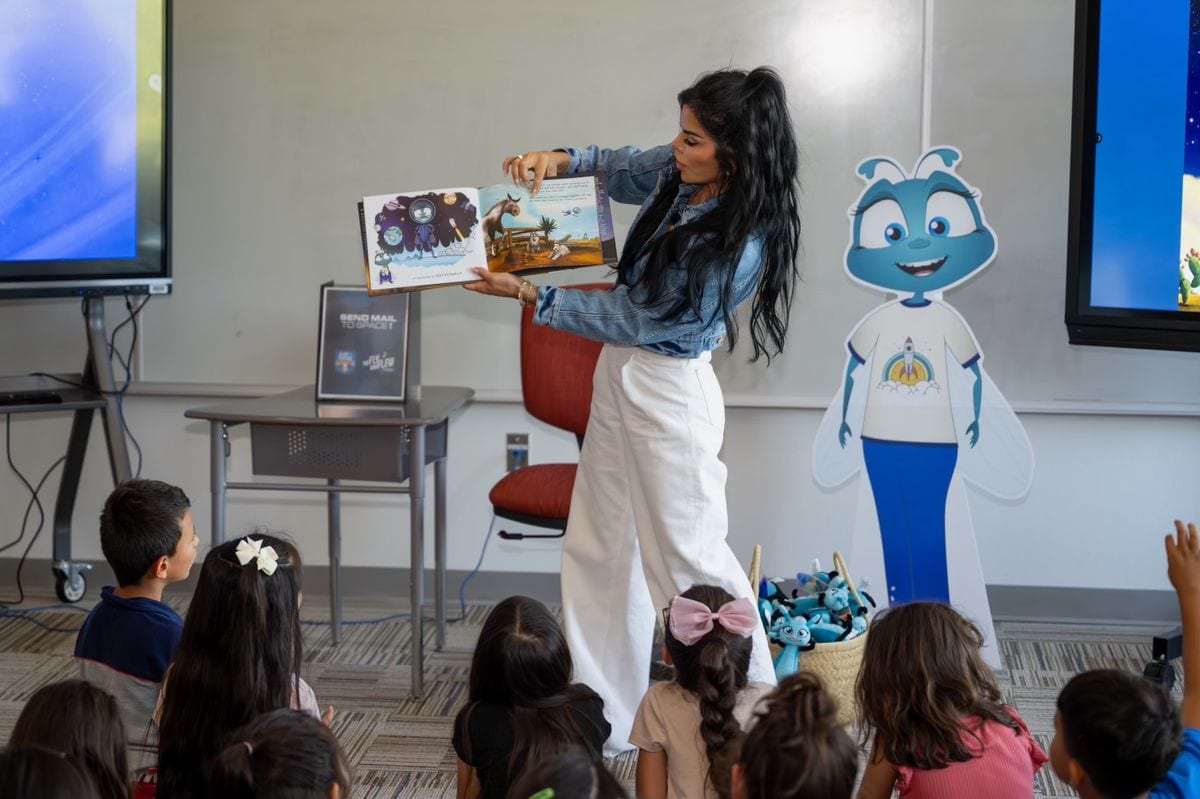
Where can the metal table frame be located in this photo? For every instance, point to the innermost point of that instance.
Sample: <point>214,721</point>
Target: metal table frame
<point>422,428</point>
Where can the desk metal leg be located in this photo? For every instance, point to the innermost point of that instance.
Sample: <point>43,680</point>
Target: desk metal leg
<point>416,497</point>
<point>218,452</point>
<point>335,562</point>
<point>439,550</point>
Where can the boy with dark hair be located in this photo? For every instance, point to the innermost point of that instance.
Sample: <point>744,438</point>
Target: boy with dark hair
<point>1117,735</point>
<point>130,637</point>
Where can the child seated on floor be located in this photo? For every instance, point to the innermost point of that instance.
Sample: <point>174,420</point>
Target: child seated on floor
<point>795,748</point>
<point>936,718</point>
<point>521,704</point>
<point>1118,735</point>
<point>82,721</point>
<point>284,753</point>
<point>128,640</point>
<point>687,730</point>
<point>239,658</point>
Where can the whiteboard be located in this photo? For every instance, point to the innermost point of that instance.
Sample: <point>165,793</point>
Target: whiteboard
<point>286,113</point>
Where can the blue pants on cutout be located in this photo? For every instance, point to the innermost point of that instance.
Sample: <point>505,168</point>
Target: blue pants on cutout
<point>910,483</point>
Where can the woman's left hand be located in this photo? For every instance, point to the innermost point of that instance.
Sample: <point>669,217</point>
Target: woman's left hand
<point>498,284</point>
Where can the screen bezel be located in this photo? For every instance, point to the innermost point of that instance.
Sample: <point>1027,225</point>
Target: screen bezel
<point>1088,323</point>
<point>149,270</point>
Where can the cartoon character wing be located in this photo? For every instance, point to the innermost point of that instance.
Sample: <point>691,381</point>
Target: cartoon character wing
<point>833,465</point>
<point>1002,462</point>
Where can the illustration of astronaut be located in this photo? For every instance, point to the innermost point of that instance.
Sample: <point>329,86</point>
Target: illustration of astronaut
<point>915,402</point>
<point>419,223</point>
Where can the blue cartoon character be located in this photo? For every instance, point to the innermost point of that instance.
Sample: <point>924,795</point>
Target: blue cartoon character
<point>794,636</point>
<point>914,394</point>
<point>422,212</point>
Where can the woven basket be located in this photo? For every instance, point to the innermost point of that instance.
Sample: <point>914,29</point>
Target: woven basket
<point>837,664</point>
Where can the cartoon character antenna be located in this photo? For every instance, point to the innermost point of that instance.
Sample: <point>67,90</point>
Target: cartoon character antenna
<point>948,156</point>
<point>874,169</point>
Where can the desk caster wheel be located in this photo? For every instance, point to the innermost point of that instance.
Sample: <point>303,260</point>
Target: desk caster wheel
<point>70,590</point>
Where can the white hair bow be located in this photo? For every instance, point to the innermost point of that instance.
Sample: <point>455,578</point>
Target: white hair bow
<point>248,549</point>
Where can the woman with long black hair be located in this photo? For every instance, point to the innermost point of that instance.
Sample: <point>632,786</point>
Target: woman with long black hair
<point>719,225</point>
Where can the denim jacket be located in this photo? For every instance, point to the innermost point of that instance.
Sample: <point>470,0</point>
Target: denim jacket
<point>621,316</point>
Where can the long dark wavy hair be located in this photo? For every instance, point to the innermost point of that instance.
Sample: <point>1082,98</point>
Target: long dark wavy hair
<point>285,754</point>
<point>796,749</point>
<point>746,113</point>
<point>714,669</point>
<point>522,662</point>
<point>239,657</point>
<point>78,719</point>
<point>923,684</point>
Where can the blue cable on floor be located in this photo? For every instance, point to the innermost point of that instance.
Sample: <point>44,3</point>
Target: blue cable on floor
<point>22,614</point>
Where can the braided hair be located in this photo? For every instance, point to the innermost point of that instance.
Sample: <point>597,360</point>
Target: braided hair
<point>714,669</point>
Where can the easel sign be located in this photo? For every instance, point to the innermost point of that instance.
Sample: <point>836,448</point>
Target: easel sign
<point>362,350</point>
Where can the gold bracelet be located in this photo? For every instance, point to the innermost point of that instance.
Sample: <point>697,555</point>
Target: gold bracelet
<point>521,294</point>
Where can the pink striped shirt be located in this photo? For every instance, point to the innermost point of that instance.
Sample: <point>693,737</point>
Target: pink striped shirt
<point>1003,768</point>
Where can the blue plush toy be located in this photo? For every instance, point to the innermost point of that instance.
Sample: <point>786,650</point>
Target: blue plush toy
<point>794,636</point>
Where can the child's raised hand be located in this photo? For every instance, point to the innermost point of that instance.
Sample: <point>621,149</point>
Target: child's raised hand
<point>327,719</point>
<point>1183,560</point>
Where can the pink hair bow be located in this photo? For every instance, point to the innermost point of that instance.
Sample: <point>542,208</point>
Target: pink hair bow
<point>692,620</point>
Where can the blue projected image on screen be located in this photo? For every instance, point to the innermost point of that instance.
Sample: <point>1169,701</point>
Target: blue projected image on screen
<point>68,130</point>
<point>1143,107</point>
<point>1189,238</point>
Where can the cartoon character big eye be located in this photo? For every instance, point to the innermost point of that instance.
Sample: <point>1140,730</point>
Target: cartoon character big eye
<point>882,225</point>
<point>949,214</point>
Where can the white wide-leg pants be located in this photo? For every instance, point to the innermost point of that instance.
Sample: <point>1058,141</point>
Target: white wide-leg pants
<point>648,520</point>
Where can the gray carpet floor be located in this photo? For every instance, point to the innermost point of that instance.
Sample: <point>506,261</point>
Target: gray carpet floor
<point>399,746</point>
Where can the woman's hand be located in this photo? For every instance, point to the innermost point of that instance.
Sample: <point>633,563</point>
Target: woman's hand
<point>498,284</point>
<point>542,163</point>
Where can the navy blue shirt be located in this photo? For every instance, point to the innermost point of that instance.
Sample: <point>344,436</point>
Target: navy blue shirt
<point>137,637</point>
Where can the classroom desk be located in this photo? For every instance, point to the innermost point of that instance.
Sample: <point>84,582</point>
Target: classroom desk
<point>292,435</point>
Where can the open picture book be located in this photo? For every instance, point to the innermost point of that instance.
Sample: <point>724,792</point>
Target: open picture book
<point>425,239</point>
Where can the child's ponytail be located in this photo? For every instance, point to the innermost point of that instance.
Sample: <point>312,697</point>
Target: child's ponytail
<point>714,668</point>
<point>282,753</point>
<point>231,772</point>
<point>796,747</point>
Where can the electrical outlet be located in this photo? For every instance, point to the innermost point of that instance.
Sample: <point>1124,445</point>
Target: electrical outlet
<point>518,451</point>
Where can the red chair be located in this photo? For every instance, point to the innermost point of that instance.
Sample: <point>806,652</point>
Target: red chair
<point>556,380</point>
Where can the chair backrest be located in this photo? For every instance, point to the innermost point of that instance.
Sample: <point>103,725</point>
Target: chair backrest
<point>556,371</point>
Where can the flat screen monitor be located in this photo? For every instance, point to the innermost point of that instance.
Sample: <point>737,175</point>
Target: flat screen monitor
<point>1134,240</point>
<point>84,98</point>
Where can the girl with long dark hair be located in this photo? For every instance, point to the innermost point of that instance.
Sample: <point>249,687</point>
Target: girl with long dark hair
<point>935,717</point>
<point>80,720</point>
<point>522,705</point>
<point>719,226</point>
<point>688,729</point>
<point>239,657</point>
